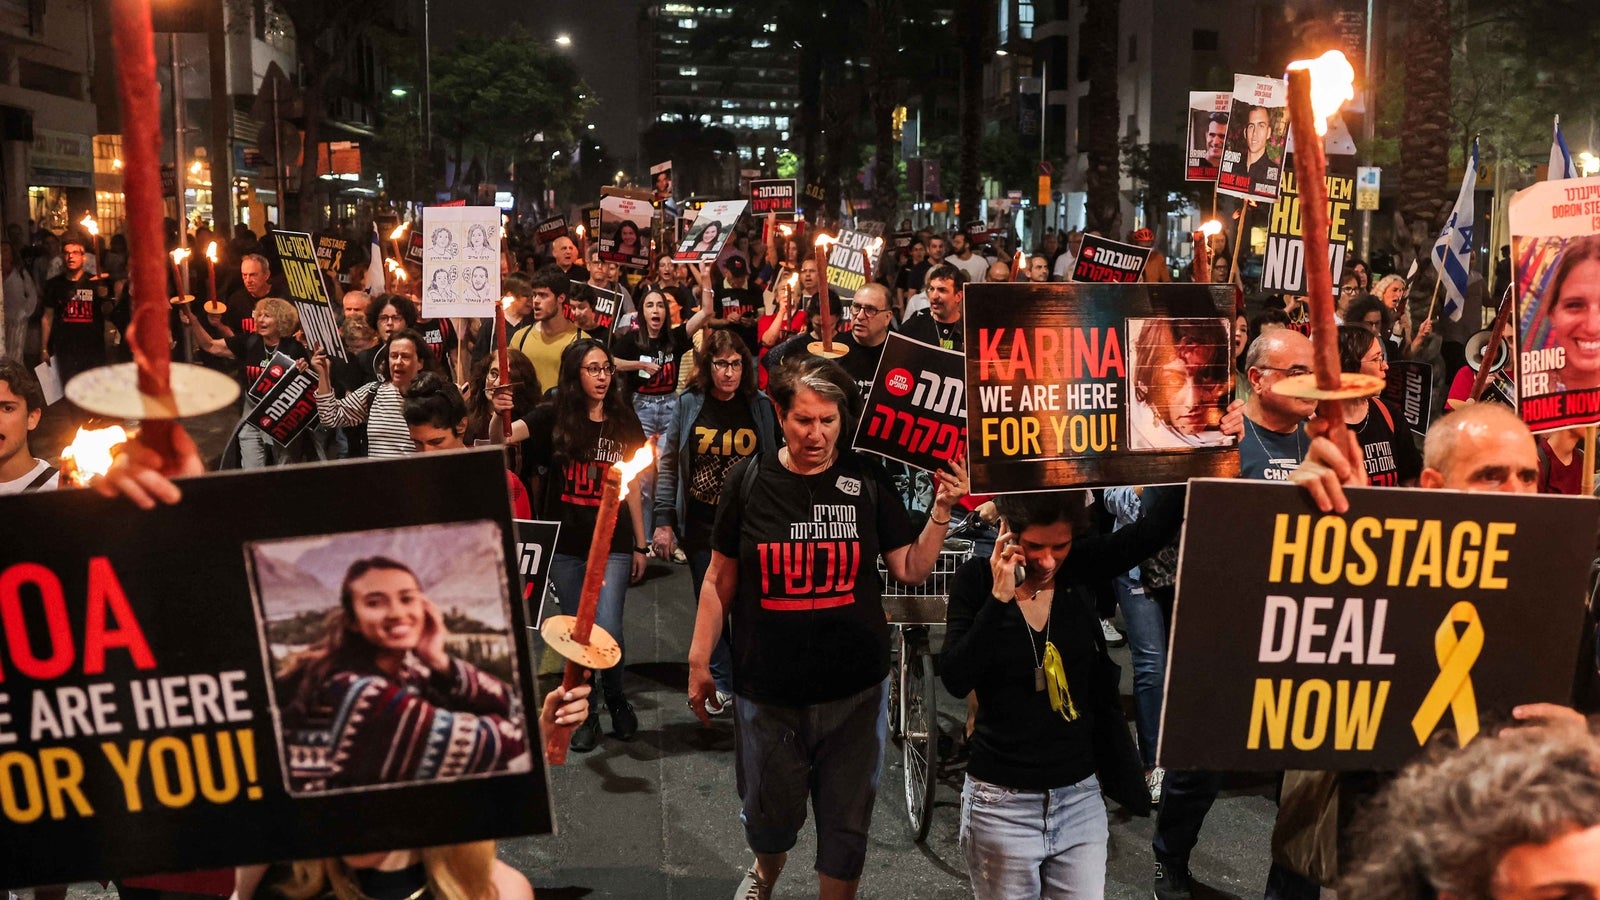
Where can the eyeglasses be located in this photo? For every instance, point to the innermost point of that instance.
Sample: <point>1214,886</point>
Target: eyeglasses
<point>1292,371</point>
<point>865,312</point>
<point>598,369</point>
<point>72,253</point>
<point>1351,289</point>
<point>727,365</point>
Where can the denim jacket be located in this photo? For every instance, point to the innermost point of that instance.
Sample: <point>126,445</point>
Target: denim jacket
<point>672,469</point>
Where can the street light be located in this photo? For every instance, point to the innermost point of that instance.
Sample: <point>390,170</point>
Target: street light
<point>1588,163</point>
<point>398,92</point>
<point>564,40</point>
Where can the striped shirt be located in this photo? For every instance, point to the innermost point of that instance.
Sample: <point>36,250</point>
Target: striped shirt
<point>378,404</point>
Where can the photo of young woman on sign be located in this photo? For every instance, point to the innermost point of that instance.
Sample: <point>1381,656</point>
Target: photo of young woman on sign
<point>1180,381</point>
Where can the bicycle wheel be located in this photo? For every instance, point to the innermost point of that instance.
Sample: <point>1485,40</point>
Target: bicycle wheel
<point>919,746</point>
<point>896,662</point>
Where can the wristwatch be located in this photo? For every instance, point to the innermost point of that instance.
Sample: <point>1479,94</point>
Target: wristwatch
<point>644,548</point>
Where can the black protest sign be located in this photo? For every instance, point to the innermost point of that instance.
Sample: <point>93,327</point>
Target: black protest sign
<point>1307,641</point>
<point>166,710</point>
<point>852,261</point>
<point>1410,388</point>
<point>536,541</point>
<point>977,233</point>
<point>414,249</point>
<point>1075,385</point>
<point>276,368</point>
<point>297,262</point>
<point>547,231</point>
<point>902,239</point>
<point>607,304</point>
<point>330,253</point>
<point>916,411</point>
<point>772,195</point>
<point>288,408</point>
<point>1103,260</point>
<point>591,215</point>
<point>1283,267</point>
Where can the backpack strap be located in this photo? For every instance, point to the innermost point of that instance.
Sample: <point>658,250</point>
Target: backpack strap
<point>1384,408</point>
<point>39,482</point>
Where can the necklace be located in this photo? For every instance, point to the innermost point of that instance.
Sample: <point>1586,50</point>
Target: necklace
<point>1255,431</point>
<point>1038,664</point>
<point>414,895</point>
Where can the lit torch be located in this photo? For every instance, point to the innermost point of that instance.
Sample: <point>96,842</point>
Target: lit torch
<point>1202,249</point>
<point>215,304</point>
<point>180,274</point>
<point>395,236</point>
<point>93,227</point>
<point>825,346</point>
<point>584,644</point>
<point>90,454</point>
<point>503,354</point>
<point>583,245</point>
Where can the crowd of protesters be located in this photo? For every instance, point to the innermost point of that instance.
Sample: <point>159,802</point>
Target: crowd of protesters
<point>711,365</point>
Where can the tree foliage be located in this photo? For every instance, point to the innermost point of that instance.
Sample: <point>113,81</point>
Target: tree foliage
<point>701,154</point>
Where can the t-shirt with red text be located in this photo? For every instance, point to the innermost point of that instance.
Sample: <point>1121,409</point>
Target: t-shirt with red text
<point>78,329</point>
<point>1391,459</point>
<point>440,336</point>
<point>571,489</point>
<point>253,356</point>
<point>667,350</point>
<point>808,623</point>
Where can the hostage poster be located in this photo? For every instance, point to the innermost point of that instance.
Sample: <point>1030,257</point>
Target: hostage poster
<point>625,230</point>
<point>1258,126</point>
<point>713,225</point>
<point>1283,267</point>
<point>916,410</point>
<point>1555,254</point>
<point>169,703</point>
<point>460,261</point>
<point>1085,385</point>
<point>1208,132</point>
<point>1347,642</point>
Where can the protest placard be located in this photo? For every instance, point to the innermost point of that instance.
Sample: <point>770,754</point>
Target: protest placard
<point>330,254</point>
<point>1103,260</point>
<point>1555,249</point>
<point>661,181</point>
<point>550,229</point>
<point>853,260</point>
<point>773,195</point>
<point>1345,642</point>
<point>902,240</point>
<point>279,365</point>
<point>916,410</point>
<point>460,261</point>
<point>1410,388</point>
<point>624,230</point>
<point>1208,132</point>
<point>1077,385</point>
<point>297,262</point>
<point>198,705</point>
<point>607,306</point>
<point>977,233</point>
<point>1258,124</point>
<point>713,225</point>
<point>1283,268</point>
<point>591,218</point>
<point>288,407</point>
<point>535,542</point>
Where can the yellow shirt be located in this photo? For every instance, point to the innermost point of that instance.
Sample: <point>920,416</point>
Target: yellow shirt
<point>544,352</point>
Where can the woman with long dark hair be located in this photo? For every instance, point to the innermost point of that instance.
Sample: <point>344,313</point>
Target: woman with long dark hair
<point>588,426</point>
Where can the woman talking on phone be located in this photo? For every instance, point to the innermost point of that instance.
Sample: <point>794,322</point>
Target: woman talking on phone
<point>1050,735</point>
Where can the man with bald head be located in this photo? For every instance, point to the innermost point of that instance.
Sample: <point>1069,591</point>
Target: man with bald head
<point>1274,439</point>
<point>870,318</point>
<point>565,253</point>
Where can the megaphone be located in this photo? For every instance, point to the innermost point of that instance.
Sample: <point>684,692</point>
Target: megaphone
<point>1478,343</point>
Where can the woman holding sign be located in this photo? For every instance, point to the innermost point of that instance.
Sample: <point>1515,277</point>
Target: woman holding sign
<point>1050,736</point>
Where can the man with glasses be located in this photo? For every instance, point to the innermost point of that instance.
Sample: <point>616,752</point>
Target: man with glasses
<point>870,319</point>
<point>72,325</point>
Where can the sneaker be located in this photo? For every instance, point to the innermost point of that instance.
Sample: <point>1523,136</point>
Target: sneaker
<point>1113,637</point>
<point>587,736</point>
<point>679,557</point>
<point>718,704</point>
<point>1172,881</point>
<point>753,888</point>
<point>624,721</point>
<point>1152,780</point>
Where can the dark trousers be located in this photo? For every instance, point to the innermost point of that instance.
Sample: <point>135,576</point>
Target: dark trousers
<point>1186,797</point>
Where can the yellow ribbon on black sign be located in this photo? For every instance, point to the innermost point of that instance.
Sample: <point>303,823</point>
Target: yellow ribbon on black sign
<point>1453,688</point>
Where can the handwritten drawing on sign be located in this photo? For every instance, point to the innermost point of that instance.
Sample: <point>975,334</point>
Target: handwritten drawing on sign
<point>460,261</point>
<point>1105,384</point>
<point>1347,642</point>
<point>1555,249</point>
<point>916,410</point>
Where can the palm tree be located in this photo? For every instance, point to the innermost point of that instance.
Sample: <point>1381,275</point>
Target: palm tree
<point>1425,135</point>
<point>699,153</point>
<point>971,19</point>
<point>1102,122</point>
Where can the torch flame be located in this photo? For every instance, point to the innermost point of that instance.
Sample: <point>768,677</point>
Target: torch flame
<point>399,232</point>
<point>90,225</point>
<point>631,468</point>
<point>180,255</point>
<point>400,274</point>
<point>1333,81</point>
<point>786,230</point>
<point>794,280</point>
<point>211,252</point>
<point>89,454</point>
<point>578,229</point>
<point>506,301</point>
<point>1211,227</point>
<point>826,240</point>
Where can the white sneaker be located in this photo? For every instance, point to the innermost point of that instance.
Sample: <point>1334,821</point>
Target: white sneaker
<point>1152,780</point>
<point>1113,637</point>
<point>753,888</point>
<point>717,704</point>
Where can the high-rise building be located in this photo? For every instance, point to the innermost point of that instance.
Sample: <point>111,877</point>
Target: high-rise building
<point>748,84</point>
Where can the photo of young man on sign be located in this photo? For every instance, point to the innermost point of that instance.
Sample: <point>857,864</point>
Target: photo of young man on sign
<point>1180,379</point>
<point>1208,132</point>
<point>1258,125</point>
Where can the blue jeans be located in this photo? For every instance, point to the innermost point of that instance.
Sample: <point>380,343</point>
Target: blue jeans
<point>1045,844</point>
<point>722,654</point>
<point>1147,643</point>
<point>566,577</point>
<point>655,414</point>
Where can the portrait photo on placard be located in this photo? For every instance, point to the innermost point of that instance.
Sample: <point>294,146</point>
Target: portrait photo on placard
<point>625,231</point>
<point>390,656</point>
<point>1180,379</point>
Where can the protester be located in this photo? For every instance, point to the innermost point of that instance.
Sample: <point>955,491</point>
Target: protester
<point>20,299</point>
<point>580,306</point>
<point>387,314</point>
<point>21,407</point>
<point>457,872</point>
<point>999,272</point>
<point>1391,455</point>
<point>940,323</point>
<point>486,381</point>
<point>1155,267</point>
<point>565,253</point>
<point>909,280</point>
<point>1049,720</point>
<point>587,427</point>
<point>870,321</point>
<point>1038,269</point>
<point>1561,460</point>
<point>378,404</point>
<point>275,322</point>
<point>738,306</point>
<point>810,640</point>
<point>962,257</point>
<point>518,309</point>
<point>545,341</point>
<point>354,304</point>
<point>72,326</point>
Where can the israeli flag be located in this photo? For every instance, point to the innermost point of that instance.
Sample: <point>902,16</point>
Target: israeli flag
<point>1560,157</point>
<point>1452,252</point>
<point>375,285</point>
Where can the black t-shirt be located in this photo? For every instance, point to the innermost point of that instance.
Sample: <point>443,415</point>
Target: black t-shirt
<point>732,301</point>
<point>861,362</point>
<point>924,327</point>
<point>252,354</point>
<point>1271,455</point>
<point>1391,459</point>
<point>571,489</point>
<point>723,434</point>
<point>440,336</point>
<point>667,349</point>
<point>808,623</point>
<point>240,315</point>
<point>78,331</point>
<point>912,276</point>
<point>603,335</point>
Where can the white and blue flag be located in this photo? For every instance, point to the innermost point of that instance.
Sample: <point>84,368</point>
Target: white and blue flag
<point>1560,157</point>
<point>1452,252</point>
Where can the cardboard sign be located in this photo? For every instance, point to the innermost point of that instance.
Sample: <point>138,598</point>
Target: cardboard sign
<point>276,368</point>
<point>624,230</point>
<point>1555,239</point>
<point>547,231</point>
<point>916,410</point>
<point>288,408</point>
<point>902,240</point>
<point>297,260</point>
<point>1410,389</point>
<point>193,707</point>
<point>1208,134</point>
<point>1284,265</point>
<point>661,181</point>
<point>1103,260</point>
<point>713,225</point>
<point>460,261</point>
<point>852,262</point>
<point>1258,125</point>
<point>773,195</point>
<point>330,254</point>
<point>1070,384</point>
<point>1307,641</point>
<point>536,541</point>
<point>607,305</point>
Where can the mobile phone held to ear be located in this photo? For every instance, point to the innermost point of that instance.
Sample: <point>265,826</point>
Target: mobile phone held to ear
<point>1021,571</point>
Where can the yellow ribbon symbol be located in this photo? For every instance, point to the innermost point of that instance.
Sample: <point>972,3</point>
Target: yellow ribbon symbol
<point>1055,676</point>
<point>1453,687</point>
